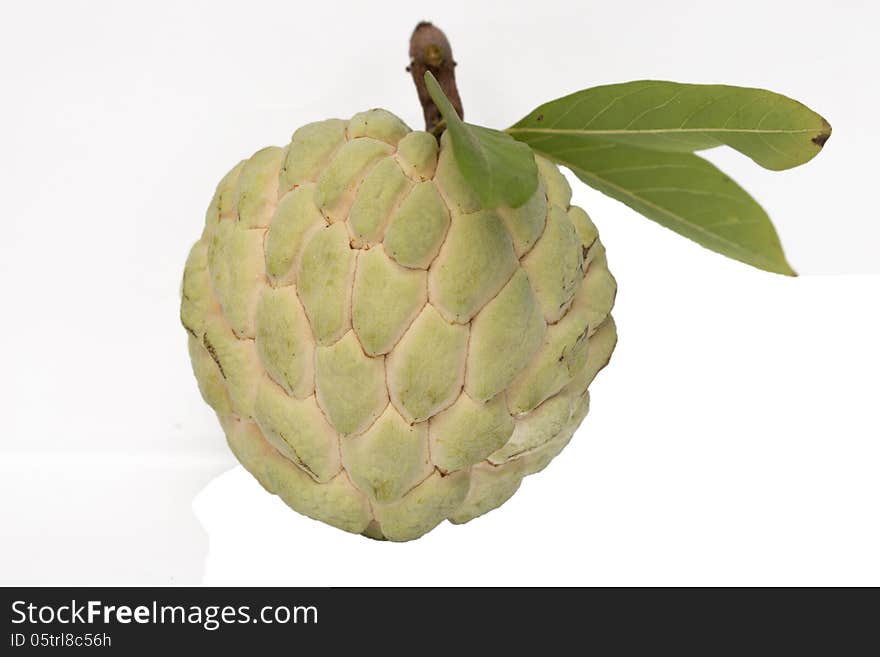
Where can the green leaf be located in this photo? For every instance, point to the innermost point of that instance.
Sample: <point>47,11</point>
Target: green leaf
<point>775,131</point>
<point>501,170</point>
<point>682,192</point>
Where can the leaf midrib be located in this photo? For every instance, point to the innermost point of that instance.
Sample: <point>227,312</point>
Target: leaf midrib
<point>660,131</point>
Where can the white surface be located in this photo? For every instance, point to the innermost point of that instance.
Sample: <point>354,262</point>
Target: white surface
<point>733,439</point>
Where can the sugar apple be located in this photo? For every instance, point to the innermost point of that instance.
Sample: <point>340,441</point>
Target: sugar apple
<point>384,353</point>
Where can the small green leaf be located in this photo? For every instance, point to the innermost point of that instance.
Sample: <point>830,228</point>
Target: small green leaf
<point>501,170</point>
<point>775,131</point>
<point>682,192</point>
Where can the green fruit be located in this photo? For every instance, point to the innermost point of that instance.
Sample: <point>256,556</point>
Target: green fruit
<point>383,352</point>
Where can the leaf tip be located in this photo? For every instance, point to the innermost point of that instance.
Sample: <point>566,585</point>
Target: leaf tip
<point>785,269</point>
<point>823,135</point>
<point>431,83</point>
<point>435,91</point>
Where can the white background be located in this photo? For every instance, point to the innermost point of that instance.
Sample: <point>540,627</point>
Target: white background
<point>733,439</point>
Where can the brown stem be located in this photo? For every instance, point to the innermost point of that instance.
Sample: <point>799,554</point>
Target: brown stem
<point>429,50</point>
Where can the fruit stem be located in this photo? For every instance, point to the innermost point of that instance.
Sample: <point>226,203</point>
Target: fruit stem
<point>429,50</point>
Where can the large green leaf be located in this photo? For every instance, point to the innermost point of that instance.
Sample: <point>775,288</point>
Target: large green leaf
<point>775,131</point>
<point>501,170</point>
<point>682,192</point>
